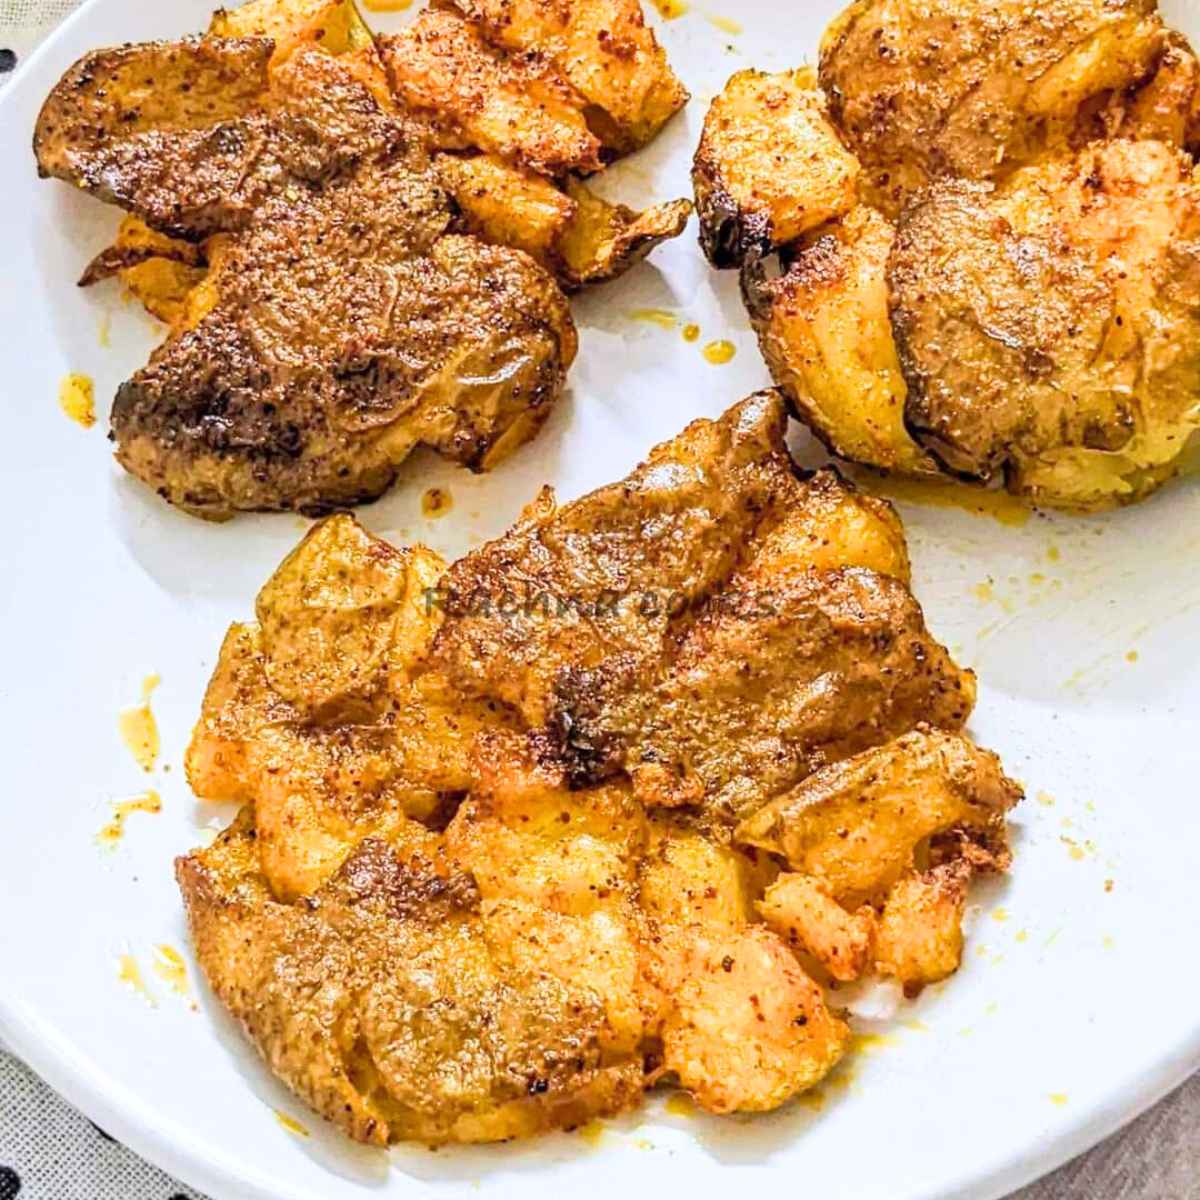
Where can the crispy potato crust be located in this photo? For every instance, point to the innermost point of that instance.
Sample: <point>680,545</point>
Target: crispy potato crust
<point>769,166</point>
<point>487,879</point>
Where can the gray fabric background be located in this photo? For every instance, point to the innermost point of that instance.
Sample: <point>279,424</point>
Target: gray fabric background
<point>49,1152</point>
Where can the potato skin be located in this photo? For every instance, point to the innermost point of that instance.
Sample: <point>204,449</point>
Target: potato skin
<point>825,331</point>
<point>605,51</point>
<point>769,166</point>
<point>928,89</point>
<point>1063,349</point>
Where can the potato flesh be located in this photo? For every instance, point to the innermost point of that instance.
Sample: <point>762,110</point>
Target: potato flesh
<point>824,329</point>
<point>919,938</point>
<point>799,909</point>
<point>480,96</point>
<point>571,231</point>
<point>604,49</point>
<point>856,825</point>
<point>769,166</point>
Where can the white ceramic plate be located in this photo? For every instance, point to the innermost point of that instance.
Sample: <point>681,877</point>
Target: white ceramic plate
<point>1076,1005</point>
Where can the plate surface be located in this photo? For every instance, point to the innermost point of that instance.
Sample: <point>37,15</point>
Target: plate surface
<point>1086,634</point>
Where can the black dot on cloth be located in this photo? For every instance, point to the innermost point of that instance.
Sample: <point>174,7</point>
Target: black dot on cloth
<point>8,60</point>
<point>10,1184</point>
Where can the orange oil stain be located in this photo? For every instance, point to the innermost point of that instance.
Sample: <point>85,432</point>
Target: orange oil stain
<point>138,728</point>
<point>77,398</point>
<point>130,974</point>
<point>719,353</point>
<point>662,317</point>
<point>112,833</point>
<point>979,502</point>
<point>436,502</point>
<point>290,1124</point>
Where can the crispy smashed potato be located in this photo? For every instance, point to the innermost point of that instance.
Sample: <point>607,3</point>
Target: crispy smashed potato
<point>919,936</point>
<point>824,329</point>
<point>515,106</point>
<point>582,238</point>
<point>605,51</point>
<point>1064,350</point>
<point>451,911</point>
<point>800,909</point>
<point>282,196</point>
<point>334,26</point>
<point>858,825</point>
<point>160,271</point>
<point>986,234</point>
<point>928,89</point>
<point>769,166</point>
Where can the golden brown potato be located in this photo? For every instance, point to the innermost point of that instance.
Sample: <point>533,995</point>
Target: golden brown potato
<point>928,89</point>
<point>1167,109</point>
<point>747,1029</point>
<point>1062,348</point>
<point>328,619</point>
<point>857,825</point>
<point>573,232</point>
<point>605,240</point>
<point>159,271</point>
<point>604,49</point>
<point>517,107</point>
<point>919,938</point>
<point>507,204</point>
<point>438,918</point>
<point>334,26</point>
<point>398,1006</point>
<point>824,329</point>
<point>799,909</point>
<point>769,166</point>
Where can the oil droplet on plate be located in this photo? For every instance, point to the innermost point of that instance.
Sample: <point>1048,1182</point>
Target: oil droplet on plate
<point>290,1124</point>
<point>111,834</point>
<point>436,502</point>
<point>592,1132</point>
<point>77,398</point>
<point>1131,656</point>
<point>691,333</point>
<point>138,728</point>
<point>104,331</point>
<point>680,1104</point>
<point>725,24</point>
<point>719,353</point>
<point>669,10</point>
<point>170,967</point>
<point>1058,1099</point>
<point>870,1043</point>
<point>662,317</point>
<point>980,502</point>
<point>1000,914</point>
<point>129,973</point>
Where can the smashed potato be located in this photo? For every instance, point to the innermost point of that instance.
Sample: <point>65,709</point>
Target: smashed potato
<point>605,51</point>
<point>985,228</point>
<point>489,877</point>
<point>476,95</point>
<point>824,328</point>
<point>769,166</point>
<point>582,238</point>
